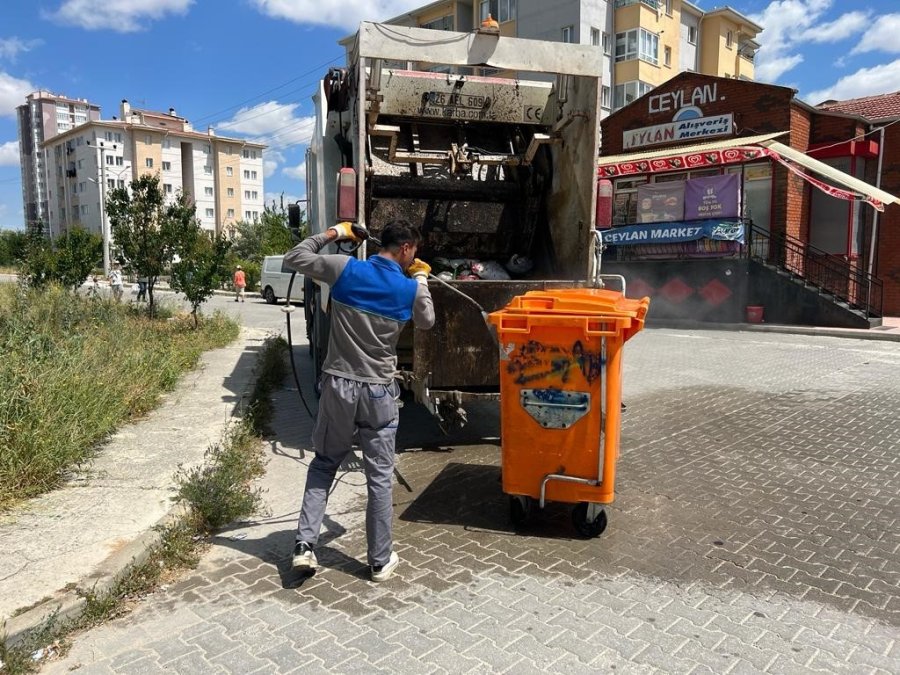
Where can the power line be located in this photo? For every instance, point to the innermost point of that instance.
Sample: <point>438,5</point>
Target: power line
<point>317,69</point>
<point>858,137</point>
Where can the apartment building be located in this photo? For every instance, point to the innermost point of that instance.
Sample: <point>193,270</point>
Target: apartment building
<point>40,118</point>
<point>645,42</point>
<point>224,176</point>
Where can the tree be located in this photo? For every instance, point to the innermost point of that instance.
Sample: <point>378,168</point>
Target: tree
<point>13,244</point>
<point>39,260</point>
<point>146,230</point>
<point>201,268</point>
<point>78,252</point>
<point>270,235</point>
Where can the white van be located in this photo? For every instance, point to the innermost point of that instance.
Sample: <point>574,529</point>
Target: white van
<point>274,280</point>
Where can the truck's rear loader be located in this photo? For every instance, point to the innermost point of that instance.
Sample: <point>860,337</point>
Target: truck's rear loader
<point>487,167</point>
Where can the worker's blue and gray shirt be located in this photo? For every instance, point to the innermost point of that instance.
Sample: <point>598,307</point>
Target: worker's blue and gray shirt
<point>371,301</point>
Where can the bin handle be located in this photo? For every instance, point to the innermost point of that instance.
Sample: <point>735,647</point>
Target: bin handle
<point>508,324</point>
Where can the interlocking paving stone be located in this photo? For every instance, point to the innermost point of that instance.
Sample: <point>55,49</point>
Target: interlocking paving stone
<point>755,529</point>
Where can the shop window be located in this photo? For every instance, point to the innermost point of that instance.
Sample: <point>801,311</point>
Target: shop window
<point>625,200</point>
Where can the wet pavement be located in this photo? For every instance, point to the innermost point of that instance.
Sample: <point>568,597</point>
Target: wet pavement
<point>756,527</point>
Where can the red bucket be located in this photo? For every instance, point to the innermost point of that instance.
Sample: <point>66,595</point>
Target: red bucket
<point>754,314</point>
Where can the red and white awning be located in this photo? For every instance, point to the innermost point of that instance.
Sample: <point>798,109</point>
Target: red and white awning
<point>739,151</point>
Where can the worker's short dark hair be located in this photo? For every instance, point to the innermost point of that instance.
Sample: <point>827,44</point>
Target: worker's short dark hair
<point>399,232</point>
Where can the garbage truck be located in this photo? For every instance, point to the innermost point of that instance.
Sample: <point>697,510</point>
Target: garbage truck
<point>486,143</point>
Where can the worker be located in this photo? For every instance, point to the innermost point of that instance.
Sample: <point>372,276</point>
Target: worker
<point>371,301</point>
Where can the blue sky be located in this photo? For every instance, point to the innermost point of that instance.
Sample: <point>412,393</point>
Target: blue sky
<point>248,67</point>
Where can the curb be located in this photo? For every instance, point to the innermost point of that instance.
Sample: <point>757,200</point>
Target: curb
<point>847,333</point>
<point>69,603</point>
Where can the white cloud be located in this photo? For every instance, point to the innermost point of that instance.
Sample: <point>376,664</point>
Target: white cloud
<point>11,47</point>
<point>346,14</point>
<point>845,26</point>
<point>124,16</point>
<point>275,124</point>
<point>881,36</point>
<point>9,153</point>
<point>789,23</point>
<point>298,172</point>
<point>12,93</point>
<point>864,82</point>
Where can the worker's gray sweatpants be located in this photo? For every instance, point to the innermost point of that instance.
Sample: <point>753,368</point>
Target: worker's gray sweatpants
<point>345,407</point>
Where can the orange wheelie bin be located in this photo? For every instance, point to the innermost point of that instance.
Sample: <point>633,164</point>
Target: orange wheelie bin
<point>561,394</point>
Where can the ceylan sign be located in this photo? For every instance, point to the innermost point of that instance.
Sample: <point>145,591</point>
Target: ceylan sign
<point>685,129</point>
<point>688,122</point>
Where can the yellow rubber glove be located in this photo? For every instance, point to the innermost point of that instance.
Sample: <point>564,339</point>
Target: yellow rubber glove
<point>419,270</point>
<point>344,232</point>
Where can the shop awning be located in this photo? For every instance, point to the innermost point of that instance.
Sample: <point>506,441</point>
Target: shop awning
<point>696,155</point>
<point>869,193</point>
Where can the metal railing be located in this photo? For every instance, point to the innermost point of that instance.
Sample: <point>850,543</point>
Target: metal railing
<point>829,273</point>
<point>653,4</point>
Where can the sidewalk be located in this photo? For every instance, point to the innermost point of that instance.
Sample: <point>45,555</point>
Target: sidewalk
<point>889,330</point>
<point>89,530</point>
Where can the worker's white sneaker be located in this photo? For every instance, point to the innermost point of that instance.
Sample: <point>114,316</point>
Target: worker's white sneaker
<point>304,558</point>
<point>384,572</point>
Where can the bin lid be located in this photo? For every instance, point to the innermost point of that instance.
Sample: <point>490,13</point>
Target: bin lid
<point>593,302</point>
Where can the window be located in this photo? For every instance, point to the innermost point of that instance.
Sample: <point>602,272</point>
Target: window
<point>669,7</point>
<point>210,213</point>
<point>255,215</point>
<point>604,97</point>
<point>729,40</point>
<point>120,161</point>
<point>626,45</point>
<point>692,35</point>
<point>246,174</point>
<point>629,91</point>
<point>246,153</point>
<point>231,192</point>
<point>121,184</point>
<point>79,140</point>
<point>247,215</point>
<point>167,166</point>
<point>253,175</point>
<point>167,188</point>
<point>227,149</point>
<point>206,149</point>
<point>82,186</point>
<point>254,195</point>
<point>649,47</point>
<point>595,37</point>
<point>230,213</point>
<point>148,139</point>
<point>668,56</point>
<point>229,171</point>
<point>605,43</point>
<point>444,23</point>
<point>111,183</point>
<point>208,191</point>
<point>148,162</point>
<point>207,169</point>
<point>502,10</point>
<point>110,160</point>
<point>246,194</point>
<point>84,209</point>
<point>568,34</point>
<point>108,136</point>
<point>637,43</point>
<point>253,154</point>
<point>80,163</point>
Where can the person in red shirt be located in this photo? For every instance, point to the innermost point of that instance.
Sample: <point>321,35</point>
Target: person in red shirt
<point>240,283</point>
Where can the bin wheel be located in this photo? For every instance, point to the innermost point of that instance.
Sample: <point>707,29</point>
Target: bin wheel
<point>587,521</point>
<point>520,509</point>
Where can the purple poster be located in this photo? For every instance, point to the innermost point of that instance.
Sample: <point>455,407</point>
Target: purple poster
<point>711,197</point>
<point>660,202</point>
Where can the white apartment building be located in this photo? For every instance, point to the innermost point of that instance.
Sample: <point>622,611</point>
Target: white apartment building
<point>40,118</point>
<point>224,176</point>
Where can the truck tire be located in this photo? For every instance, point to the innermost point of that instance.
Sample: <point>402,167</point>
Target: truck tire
<point>269,295</point>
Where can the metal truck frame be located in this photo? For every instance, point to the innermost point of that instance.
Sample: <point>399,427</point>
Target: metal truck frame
<point>485,166</point>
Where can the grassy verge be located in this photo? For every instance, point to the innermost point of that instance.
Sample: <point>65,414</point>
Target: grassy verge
<point>216,493</point>
<point>73,370</point>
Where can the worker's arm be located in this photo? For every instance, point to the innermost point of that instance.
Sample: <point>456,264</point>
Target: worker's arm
<point>306,259</point>
<point>423,308</point>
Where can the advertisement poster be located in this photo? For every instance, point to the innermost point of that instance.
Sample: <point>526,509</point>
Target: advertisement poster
<point>660,202</point>
<point>711,197</point>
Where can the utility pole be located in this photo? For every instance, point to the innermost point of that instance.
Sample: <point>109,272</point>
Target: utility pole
<point>104,226</point>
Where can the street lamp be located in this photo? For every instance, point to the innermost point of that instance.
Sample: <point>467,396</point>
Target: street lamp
<point>104,226</point>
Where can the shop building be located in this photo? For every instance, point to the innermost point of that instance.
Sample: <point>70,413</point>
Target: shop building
<point>719,194</point>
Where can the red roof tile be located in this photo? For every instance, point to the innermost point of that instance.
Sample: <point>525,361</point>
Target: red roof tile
<point>877,107</point>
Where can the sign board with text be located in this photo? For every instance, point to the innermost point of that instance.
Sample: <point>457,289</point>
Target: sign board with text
<point>690,129</point>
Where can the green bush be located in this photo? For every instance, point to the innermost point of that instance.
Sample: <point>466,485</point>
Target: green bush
<point>251,273</point>
<point>73,370</point>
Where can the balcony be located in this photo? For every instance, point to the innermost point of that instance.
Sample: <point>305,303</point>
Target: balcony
<point>70,173</point>
<point>652,4</point>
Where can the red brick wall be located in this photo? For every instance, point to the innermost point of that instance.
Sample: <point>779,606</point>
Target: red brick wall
<point>828,129</point>
<point>798,198</point>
